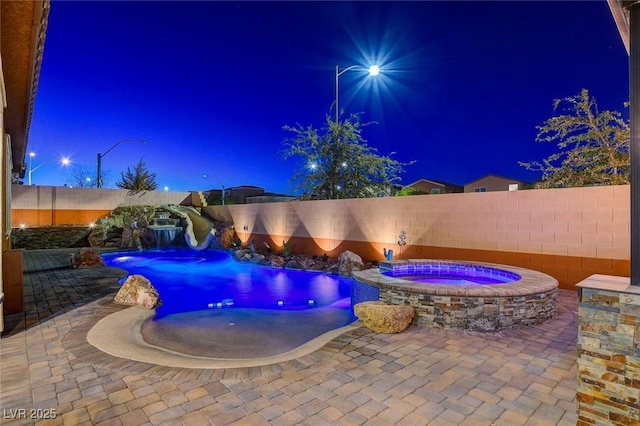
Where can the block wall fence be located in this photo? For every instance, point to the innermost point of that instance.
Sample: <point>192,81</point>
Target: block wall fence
<point>55,205</point>
<point>568,233</point>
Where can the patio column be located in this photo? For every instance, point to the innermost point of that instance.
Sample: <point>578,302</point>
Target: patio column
<point>634,83</point>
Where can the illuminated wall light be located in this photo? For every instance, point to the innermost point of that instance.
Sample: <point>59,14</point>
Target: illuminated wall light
<point>244,236</point>
<point>22,226</point>
<point>327,244</point>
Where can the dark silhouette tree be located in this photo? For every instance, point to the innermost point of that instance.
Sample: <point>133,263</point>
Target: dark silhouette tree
<point>140,179</point>
<point>336,161</point>
<point>593,146</point>
<point>407,190</point>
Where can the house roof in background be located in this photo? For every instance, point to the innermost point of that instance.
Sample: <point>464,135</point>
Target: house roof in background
<point>435,182</point>
<point>490,175</point>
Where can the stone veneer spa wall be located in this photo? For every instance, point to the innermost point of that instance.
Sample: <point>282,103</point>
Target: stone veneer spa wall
<point>529,299</point>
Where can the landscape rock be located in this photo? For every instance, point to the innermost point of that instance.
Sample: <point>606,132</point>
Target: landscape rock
<point>382,318</point>
<point>276,261</point>
<point>228,237</point>
<point>138,290</point>
<point>293,264</point>
<point>348,262</point>
<point>306,263</point>
<point>86,257</point>
<point>240,254</point>
<point>317,266</point>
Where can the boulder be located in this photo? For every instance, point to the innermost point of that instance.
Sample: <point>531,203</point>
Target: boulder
<point>382,318</point>
<point>276,261</point>
<point>293,264</point>
<point>87,257</point>
<point>349,262</point>
<point>148,238</point>
<point>306,263</point>
<point>241,253</point>
<point>228,237</point>
<point>127,237</point>
<point>138,290</point>
<point>318,265</point>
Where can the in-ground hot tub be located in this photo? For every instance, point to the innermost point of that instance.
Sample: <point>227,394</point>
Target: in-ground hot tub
<point>459,294</point>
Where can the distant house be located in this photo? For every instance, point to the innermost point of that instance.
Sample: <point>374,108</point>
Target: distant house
<point>233,195</point>
<point>240,193</point>
<point>434,187</point>
<point>244,194</point>
<point>270,197</point>
<point>495,183</point>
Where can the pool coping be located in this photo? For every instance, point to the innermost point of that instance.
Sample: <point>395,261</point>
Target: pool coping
<point>531,282</point>
<point>119,334</point>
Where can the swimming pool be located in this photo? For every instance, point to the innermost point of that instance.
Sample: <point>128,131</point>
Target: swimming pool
<point>189,280</point>
<point>214,307</point>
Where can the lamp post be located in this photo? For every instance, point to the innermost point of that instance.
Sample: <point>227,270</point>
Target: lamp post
<point>64,161</point>
<point>373,71</point>
<point>99,171</point>
<point>221,184</point>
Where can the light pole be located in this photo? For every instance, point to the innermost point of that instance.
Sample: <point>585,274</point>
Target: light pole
<point>99,171</point>
<point>221,184</point>
<point>64,161</point>
<point>373,71</point>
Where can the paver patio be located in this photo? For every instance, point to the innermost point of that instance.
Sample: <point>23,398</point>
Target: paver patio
<point>421,376</point>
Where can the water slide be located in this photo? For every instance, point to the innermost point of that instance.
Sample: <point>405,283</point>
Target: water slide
<point>199,230</point>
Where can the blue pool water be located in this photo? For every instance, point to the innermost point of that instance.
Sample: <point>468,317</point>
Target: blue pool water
<point>455,279</point>
<point>454,274</point>
<point>189,280</point>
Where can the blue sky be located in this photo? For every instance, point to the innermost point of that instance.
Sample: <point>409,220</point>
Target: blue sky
<point>210,84</point>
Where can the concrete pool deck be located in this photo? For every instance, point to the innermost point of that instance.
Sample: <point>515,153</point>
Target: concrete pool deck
<point>421,376</point>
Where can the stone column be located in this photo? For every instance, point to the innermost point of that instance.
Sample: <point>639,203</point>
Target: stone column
<point>608,348</point>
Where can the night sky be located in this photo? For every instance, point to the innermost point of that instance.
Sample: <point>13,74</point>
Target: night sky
<point>209,85</point>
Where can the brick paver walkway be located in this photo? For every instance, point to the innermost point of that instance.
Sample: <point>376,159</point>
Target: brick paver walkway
<point>418,377</point>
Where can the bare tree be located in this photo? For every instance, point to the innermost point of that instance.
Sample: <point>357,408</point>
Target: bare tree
<point>80,176</point>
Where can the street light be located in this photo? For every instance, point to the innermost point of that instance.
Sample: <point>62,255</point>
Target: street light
<point>374,70</point>
<point>64,161</point>
<point>99,173</point>
<point>222,196</point>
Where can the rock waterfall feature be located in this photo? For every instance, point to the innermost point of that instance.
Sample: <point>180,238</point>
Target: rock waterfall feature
<point>199,230</point>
